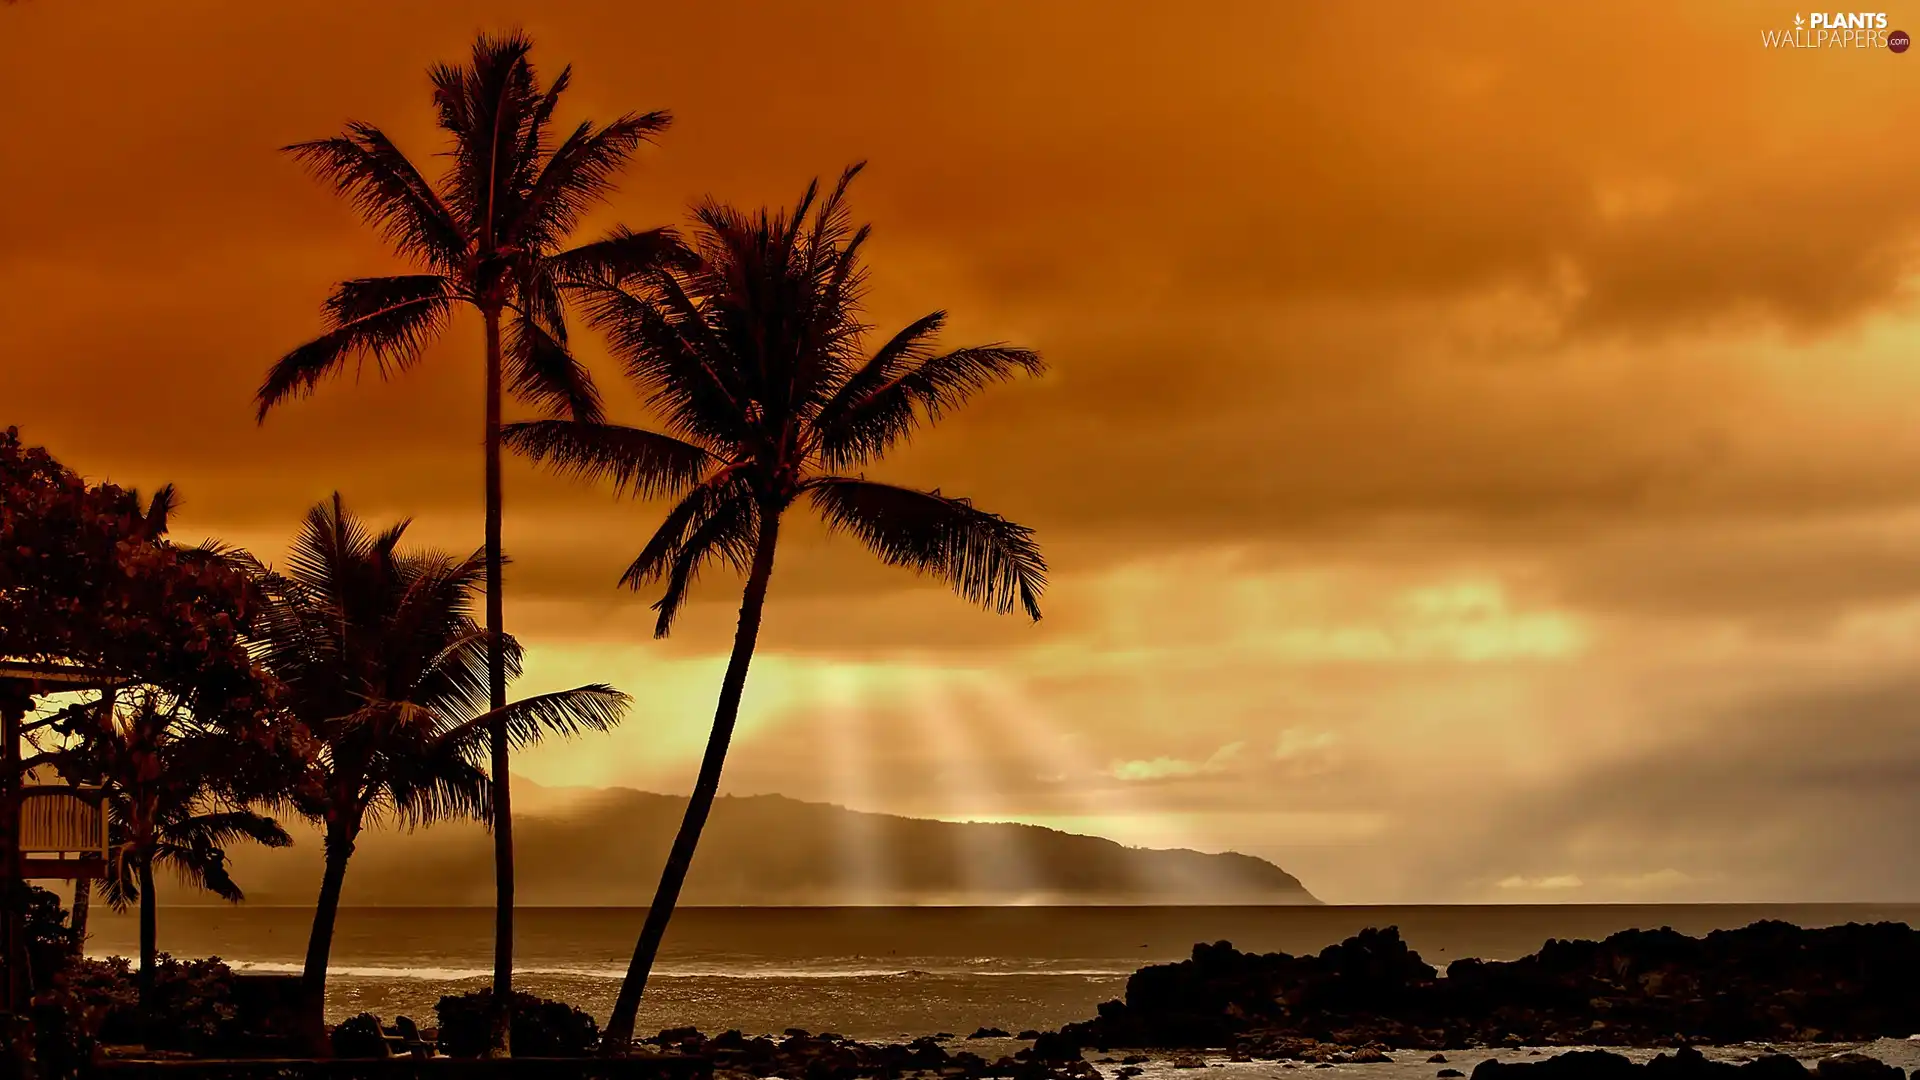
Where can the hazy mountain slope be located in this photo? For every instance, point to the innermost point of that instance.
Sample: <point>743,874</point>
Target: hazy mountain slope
<point>606,848</point>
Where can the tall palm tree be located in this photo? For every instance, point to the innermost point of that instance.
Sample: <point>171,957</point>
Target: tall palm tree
<point>175,793</point>
<point>488,235</point>
<point>753,349</point>
<point>385,668</point>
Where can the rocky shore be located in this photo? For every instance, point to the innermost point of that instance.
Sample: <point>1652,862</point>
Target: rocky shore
<point>1768,982</point>
<point>1371,1000</point>
<point>1687,1063</point>
<point>802,1055</point>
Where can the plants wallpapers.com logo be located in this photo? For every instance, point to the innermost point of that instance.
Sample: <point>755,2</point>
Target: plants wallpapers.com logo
<point>1838,30</point>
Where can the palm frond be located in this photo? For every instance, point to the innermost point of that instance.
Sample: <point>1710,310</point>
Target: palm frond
<point>388,319</point>
<point>728,535</point>
<point>618,257</point>
<point>921,389</point>
<point>566,713</point>
<point>221,829</point>
<point>664,345</point>
<point>489,106</point>
<point>579,174</point>
<point>986,558</point>
<point>379,181</point>
<point>637,462</point>
<point>706,500</point>
<point>543,372</point>
<point>908,347</point>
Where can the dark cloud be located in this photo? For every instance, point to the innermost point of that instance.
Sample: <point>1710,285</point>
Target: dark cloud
<point>1805,795</point>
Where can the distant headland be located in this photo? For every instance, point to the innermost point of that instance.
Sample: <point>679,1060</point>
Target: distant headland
<point>604,847</point>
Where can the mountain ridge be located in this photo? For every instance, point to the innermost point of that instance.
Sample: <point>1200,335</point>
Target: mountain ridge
<point>603,847</point>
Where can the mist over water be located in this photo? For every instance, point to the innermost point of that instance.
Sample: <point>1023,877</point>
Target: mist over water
<point>871,973</point>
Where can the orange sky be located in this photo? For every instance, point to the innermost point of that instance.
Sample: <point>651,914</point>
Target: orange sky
<point>1479,460</point>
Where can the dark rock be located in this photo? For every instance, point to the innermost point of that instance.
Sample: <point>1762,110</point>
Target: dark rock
<point>989,1033</point>
<point>1058,1046</point>
<point>1774,1066</point>
<point>1134,1059</point>
<point>1029,1033</point>
<point>795,1033</point>
<point>1577,1065</point>
<point>1449,1073</point>
<point>1766,983</point>
<point>1437,1059</point>
<point>1856,1067</point>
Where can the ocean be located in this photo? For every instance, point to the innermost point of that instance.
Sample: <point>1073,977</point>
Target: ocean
<point>869,973</point>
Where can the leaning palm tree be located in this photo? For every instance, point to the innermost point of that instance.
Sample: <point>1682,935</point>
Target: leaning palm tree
<point>752,347</point>
<point>488,235</point>
<point>385,669</point>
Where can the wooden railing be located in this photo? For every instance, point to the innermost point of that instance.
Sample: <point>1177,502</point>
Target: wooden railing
<point>56,819</point>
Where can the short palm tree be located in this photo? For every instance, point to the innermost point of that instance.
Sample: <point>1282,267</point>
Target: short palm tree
<point>176,790</point>
<point>752,347</point>
<point>177,768</point>
<point>385,669</point>
<point>490,235</point>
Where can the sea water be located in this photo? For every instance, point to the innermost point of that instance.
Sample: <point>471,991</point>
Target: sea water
<point>868,973</point>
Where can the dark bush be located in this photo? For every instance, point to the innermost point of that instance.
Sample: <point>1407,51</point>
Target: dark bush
<point>541,1028</point>
<point>359,1037</point>
<point>49,941</point>
<point>194,1009</point>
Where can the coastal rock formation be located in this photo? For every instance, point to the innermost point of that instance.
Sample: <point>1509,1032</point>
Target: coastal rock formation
<point>832,1057</point>
<point>1767,982</point>
<point>1685,1064</point>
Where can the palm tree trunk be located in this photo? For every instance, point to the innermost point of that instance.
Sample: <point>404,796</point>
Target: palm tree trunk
<point>499,1015</point>
<point>626,1009</point>
<point>339,848</point>
<point>82,904</point>
<point>149,935</point>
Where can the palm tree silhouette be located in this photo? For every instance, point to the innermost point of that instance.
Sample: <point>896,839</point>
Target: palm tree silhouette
<point>488,235</point>
<point>178,771</point>
<point>176,788</point>
<point>752,347</point>
<point>385,668</point>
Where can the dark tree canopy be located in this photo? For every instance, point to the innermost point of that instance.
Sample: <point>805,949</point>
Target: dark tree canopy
<point>87,576</point>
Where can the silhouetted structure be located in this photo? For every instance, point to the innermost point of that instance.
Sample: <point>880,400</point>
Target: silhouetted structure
<point>67,815</point>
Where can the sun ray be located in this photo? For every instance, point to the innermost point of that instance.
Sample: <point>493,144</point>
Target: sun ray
<point>861,873</point>
<point>988,865</point>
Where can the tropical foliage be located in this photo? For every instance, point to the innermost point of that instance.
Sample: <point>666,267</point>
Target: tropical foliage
<point>752,347</point>
<point>178,784</point>
<point>87,576</point>
<point>384,669</point>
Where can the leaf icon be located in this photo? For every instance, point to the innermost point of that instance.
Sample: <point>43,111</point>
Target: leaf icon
<point>1798,22</point>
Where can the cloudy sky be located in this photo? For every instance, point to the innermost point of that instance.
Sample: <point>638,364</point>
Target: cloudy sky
<point>1479,461</point>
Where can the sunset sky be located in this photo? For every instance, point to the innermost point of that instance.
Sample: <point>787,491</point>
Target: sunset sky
<point>1479,461</point>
